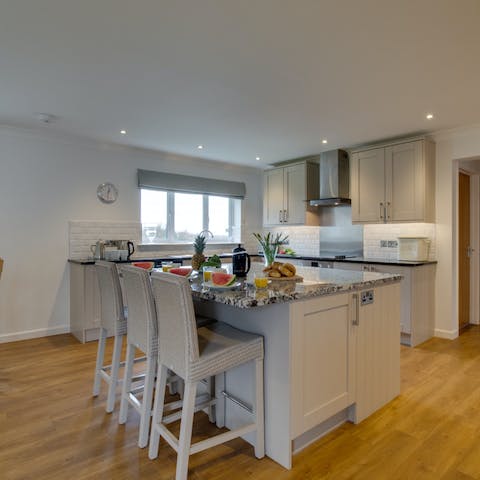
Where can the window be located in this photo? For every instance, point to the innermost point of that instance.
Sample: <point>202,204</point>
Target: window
<point>177,217</point>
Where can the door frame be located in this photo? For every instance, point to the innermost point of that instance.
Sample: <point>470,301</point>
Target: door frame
<point>474,307</point>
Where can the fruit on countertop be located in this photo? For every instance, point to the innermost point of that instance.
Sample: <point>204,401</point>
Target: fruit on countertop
<point>213,261</point>
<point>183,271</point>
<point>221,279</point>
<point>280,270</point>
<point>286,251</point>
<point>199,245</point>
<point>146,265</point>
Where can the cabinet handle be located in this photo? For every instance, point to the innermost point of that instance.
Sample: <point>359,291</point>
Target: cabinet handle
<point>387,208</point>
<point>285,216</point>
<point>280,216</point>
<point>356,319</point>
<point>382,211</point>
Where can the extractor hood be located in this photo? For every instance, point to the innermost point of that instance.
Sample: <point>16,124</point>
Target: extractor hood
<point>334,179</point>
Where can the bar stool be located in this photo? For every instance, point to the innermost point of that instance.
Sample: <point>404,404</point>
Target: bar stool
<point>193,355</point>
<point>142,335</point>
<point>112,319</point>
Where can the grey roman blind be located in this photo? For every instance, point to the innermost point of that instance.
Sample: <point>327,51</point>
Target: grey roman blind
<point>187,184</point>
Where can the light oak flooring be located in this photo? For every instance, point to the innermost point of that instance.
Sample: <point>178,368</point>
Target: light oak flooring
<point>51,427</point>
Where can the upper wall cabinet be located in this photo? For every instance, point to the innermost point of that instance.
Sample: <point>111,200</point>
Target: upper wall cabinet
<point>285,195</point>
<point>394,183</point>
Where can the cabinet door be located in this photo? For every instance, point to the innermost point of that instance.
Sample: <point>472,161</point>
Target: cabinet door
<point>405,182</point>
<point>323,360</point>
<point>378,351</point>
<point>368,185</point>
<point>295,194</point>
<point>273,197</point>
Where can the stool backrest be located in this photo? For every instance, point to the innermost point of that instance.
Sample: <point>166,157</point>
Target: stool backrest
<point>177,328</point>
<point>142,316</point>
<point>111,311</point>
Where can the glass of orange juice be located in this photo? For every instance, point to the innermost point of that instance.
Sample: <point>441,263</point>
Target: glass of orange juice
<point>207,273</point>
<point>260,280</point>
<point>166,266</point>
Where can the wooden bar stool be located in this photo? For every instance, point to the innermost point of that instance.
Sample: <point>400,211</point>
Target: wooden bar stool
<point>193,355</point>
<point>112,319</point>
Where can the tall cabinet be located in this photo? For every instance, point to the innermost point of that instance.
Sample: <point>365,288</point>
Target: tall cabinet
<point>394,182</point>
<point>286,191</point>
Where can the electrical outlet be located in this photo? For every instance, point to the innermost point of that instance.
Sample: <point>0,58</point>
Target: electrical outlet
<point>383,243</point>
<point>392,244</point>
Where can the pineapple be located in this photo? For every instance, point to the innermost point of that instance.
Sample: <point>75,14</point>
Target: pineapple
<point>199,246</point>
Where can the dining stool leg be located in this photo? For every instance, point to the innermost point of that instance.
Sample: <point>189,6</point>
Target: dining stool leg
<point>219,400</point>
<point>147,401</point>
<point>259,410</point>
<point>211,392</point>
<point>127,383</point>
<point>117,351</point>
<point>157,414</point>
<point>99,363</point>
<point>186,424</point>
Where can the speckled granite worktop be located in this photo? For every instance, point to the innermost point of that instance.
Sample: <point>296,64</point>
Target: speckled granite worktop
<point>317,282</point>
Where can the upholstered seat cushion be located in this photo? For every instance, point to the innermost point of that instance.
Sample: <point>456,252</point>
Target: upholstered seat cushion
<point>222,347</point>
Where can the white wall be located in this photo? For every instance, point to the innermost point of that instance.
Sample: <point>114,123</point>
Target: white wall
<point>47,180</point>
<point>450,147</point>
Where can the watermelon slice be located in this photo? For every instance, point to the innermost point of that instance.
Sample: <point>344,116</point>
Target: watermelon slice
<point>223,279</point>
<point>183,271</point>
<point>146,265</point>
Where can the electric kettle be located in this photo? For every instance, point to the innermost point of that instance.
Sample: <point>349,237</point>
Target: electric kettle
<point>98,250</point>
<point>240,261</point>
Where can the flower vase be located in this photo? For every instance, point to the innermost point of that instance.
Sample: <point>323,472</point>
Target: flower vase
<point>270,253</point>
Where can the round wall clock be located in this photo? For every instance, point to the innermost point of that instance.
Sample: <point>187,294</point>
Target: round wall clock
<point>107,192</point>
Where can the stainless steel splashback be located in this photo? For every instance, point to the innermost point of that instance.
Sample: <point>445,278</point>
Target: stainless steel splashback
<point>337,234</point>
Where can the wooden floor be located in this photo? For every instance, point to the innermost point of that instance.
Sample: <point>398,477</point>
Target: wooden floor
<point>51,427</point>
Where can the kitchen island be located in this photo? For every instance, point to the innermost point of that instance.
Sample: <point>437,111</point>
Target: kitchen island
<point>331,352</point>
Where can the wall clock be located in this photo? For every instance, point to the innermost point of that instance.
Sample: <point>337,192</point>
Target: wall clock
<point>107,192</point>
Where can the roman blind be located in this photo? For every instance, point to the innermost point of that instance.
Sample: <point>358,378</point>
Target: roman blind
<point>187,184</point>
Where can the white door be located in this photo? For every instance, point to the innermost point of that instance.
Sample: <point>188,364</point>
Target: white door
<point>368,185</point>
<point>295,194</point>
<point>273,196</point>
<point>405,180</point>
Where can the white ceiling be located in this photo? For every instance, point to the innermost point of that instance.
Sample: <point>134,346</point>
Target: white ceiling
<point>242,77</point>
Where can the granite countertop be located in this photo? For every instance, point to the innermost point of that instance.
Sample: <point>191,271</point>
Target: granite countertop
<point>317,282</point>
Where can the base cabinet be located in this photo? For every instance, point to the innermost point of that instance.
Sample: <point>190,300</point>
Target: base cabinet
<point>323,360</point>
<point>345,353</point>
<point>84,302</point>
<point>417,315</point>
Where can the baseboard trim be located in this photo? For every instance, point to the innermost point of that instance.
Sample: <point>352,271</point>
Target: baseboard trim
<point>448,334</point>
<point>28,334</point>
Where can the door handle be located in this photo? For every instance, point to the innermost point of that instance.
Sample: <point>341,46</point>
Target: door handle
<point>356,319</point>
<point>285,216</point>
<point>382,211</point>
<point>280,216</point>
<point>387,210</point>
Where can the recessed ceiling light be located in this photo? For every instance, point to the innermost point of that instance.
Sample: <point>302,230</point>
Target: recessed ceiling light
<point>257,158</point>
<point>200,147</point>
<point>324,140</point>
<point>123,132</point>
<point>429,116</point>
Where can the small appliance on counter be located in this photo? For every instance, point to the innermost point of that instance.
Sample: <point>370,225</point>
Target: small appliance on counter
<point>414,249</point>
<point>118,250</point>
<point>240,261</point>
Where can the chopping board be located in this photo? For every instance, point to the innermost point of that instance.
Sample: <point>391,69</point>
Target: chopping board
<point>294,278</point>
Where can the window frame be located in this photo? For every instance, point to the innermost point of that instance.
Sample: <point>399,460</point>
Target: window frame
<point>170,227</point>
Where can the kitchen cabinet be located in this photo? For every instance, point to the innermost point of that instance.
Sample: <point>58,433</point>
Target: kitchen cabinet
<point>84,302</point>
<point>393,183</point>
<point>417,298</point>
<point>323,360</point>
<point>286,191</point>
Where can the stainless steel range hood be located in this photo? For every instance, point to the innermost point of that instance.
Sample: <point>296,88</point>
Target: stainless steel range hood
<point>334,179</point>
